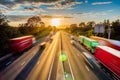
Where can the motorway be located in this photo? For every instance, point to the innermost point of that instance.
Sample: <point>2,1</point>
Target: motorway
<point>14,69</point>
<point>82,61</point>
<point>6,61</point>
<point>51,67</point>
<point>47,61</point>
<point>60,60</point>
<point>79,69</point>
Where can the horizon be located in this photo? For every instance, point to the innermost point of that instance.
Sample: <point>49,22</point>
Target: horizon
<point>69,11</point>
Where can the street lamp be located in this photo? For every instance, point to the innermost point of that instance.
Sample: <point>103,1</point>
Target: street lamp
<point>109,31</point>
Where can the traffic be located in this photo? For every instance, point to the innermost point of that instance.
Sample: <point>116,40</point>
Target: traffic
<point>21,43</point>
<point>104,51</point>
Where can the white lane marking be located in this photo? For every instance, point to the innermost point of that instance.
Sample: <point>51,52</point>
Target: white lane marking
<point>87,68</point>
<point>52,59</point>
<point>62,64</point>
<point>38,62</point>
<point>60,61</point>
<point>70,68</point>
<point>8,63</point>
<point>23,63</point>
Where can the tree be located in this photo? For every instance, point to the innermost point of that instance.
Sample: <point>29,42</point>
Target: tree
<point>108,22</point>
<point>116,29</point>
<point>42,24</point>
<point>3,19</point>
<point>34,21</point>
<point>6,32</point>
<point>82,24</point>
<point>73,26</point>
<point>33,26</point>
<point>91,24</point>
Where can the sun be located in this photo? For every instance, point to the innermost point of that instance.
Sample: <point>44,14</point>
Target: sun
<point>55,22</point>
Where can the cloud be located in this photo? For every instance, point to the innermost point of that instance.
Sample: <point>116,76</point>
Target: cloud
<point>110,10</point>
<point>15,18</point>
<point>86,1</point>
<point>27,6</point>
<point>33,11</point>
<point>64,5</point>
<point>100,3</point>
<point>11,7</point>
<point>18,9</point>
<point>91,14</point>
<point>116,17</point>
<point>67,17</point>
<point>3,8</point>
<point>54,16</point>
<point>22,1</point>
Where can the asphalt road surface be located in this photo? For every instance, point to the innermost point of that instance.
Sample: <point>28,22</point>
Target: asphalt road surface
<point>46,63</point>
<point>60,60</point>
<point>83,59</point>
<point>14,69</point>
<point>79,67</point>
<point>52,67</point>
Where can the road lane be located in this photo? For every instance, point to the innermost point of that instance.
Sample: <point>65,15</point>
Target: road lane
<point>60,71</point>
<point>92,61</point>
<point>6,62</point>
<point>77,62</point>
<point>42,70</point>
<point>49,66</point>
<point>14,69</point>
<point>26,70</point>
<point>55,64</point>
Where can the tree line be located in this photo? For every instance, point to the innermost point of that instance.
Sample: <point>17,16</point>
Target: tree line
<point>87,29</point>
<point>33,26</point>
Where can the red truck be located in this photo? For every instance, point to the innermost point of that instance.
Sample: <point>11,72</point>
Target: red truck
<point>109,58</point>
<point>107,42</point>
<point>21,43</point>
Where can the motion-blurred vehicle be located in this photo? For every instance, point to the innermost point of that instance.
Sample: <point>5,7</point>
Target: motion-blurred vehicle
<point>109,58</point>
<point>19,44</point>
<point>107,42</point>
<point>89,43</point>
<point>43,44</point>
<point>72,42</point>
<point>74,38</point>
<point>81,39</point>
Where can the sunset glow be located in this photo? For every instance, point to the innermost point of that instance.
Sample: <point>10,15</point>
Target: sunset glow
<point>55,22</point>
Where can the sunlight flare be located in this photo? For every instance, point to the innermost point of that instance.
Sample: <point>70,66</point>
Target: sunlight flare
<point>55,22</point>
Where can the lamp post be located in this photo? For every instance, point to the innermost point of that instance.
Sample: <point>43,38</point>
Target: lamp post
<point>109,31</point>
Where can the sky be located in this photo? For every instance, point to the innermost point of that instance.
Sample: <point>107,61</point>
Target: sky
<point>69,11</point>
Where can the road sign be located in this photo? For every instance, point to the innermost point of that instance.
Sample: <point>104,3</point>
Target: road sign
<point>96,28</point>
<point>102,29</point>
<point>99,28</point>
